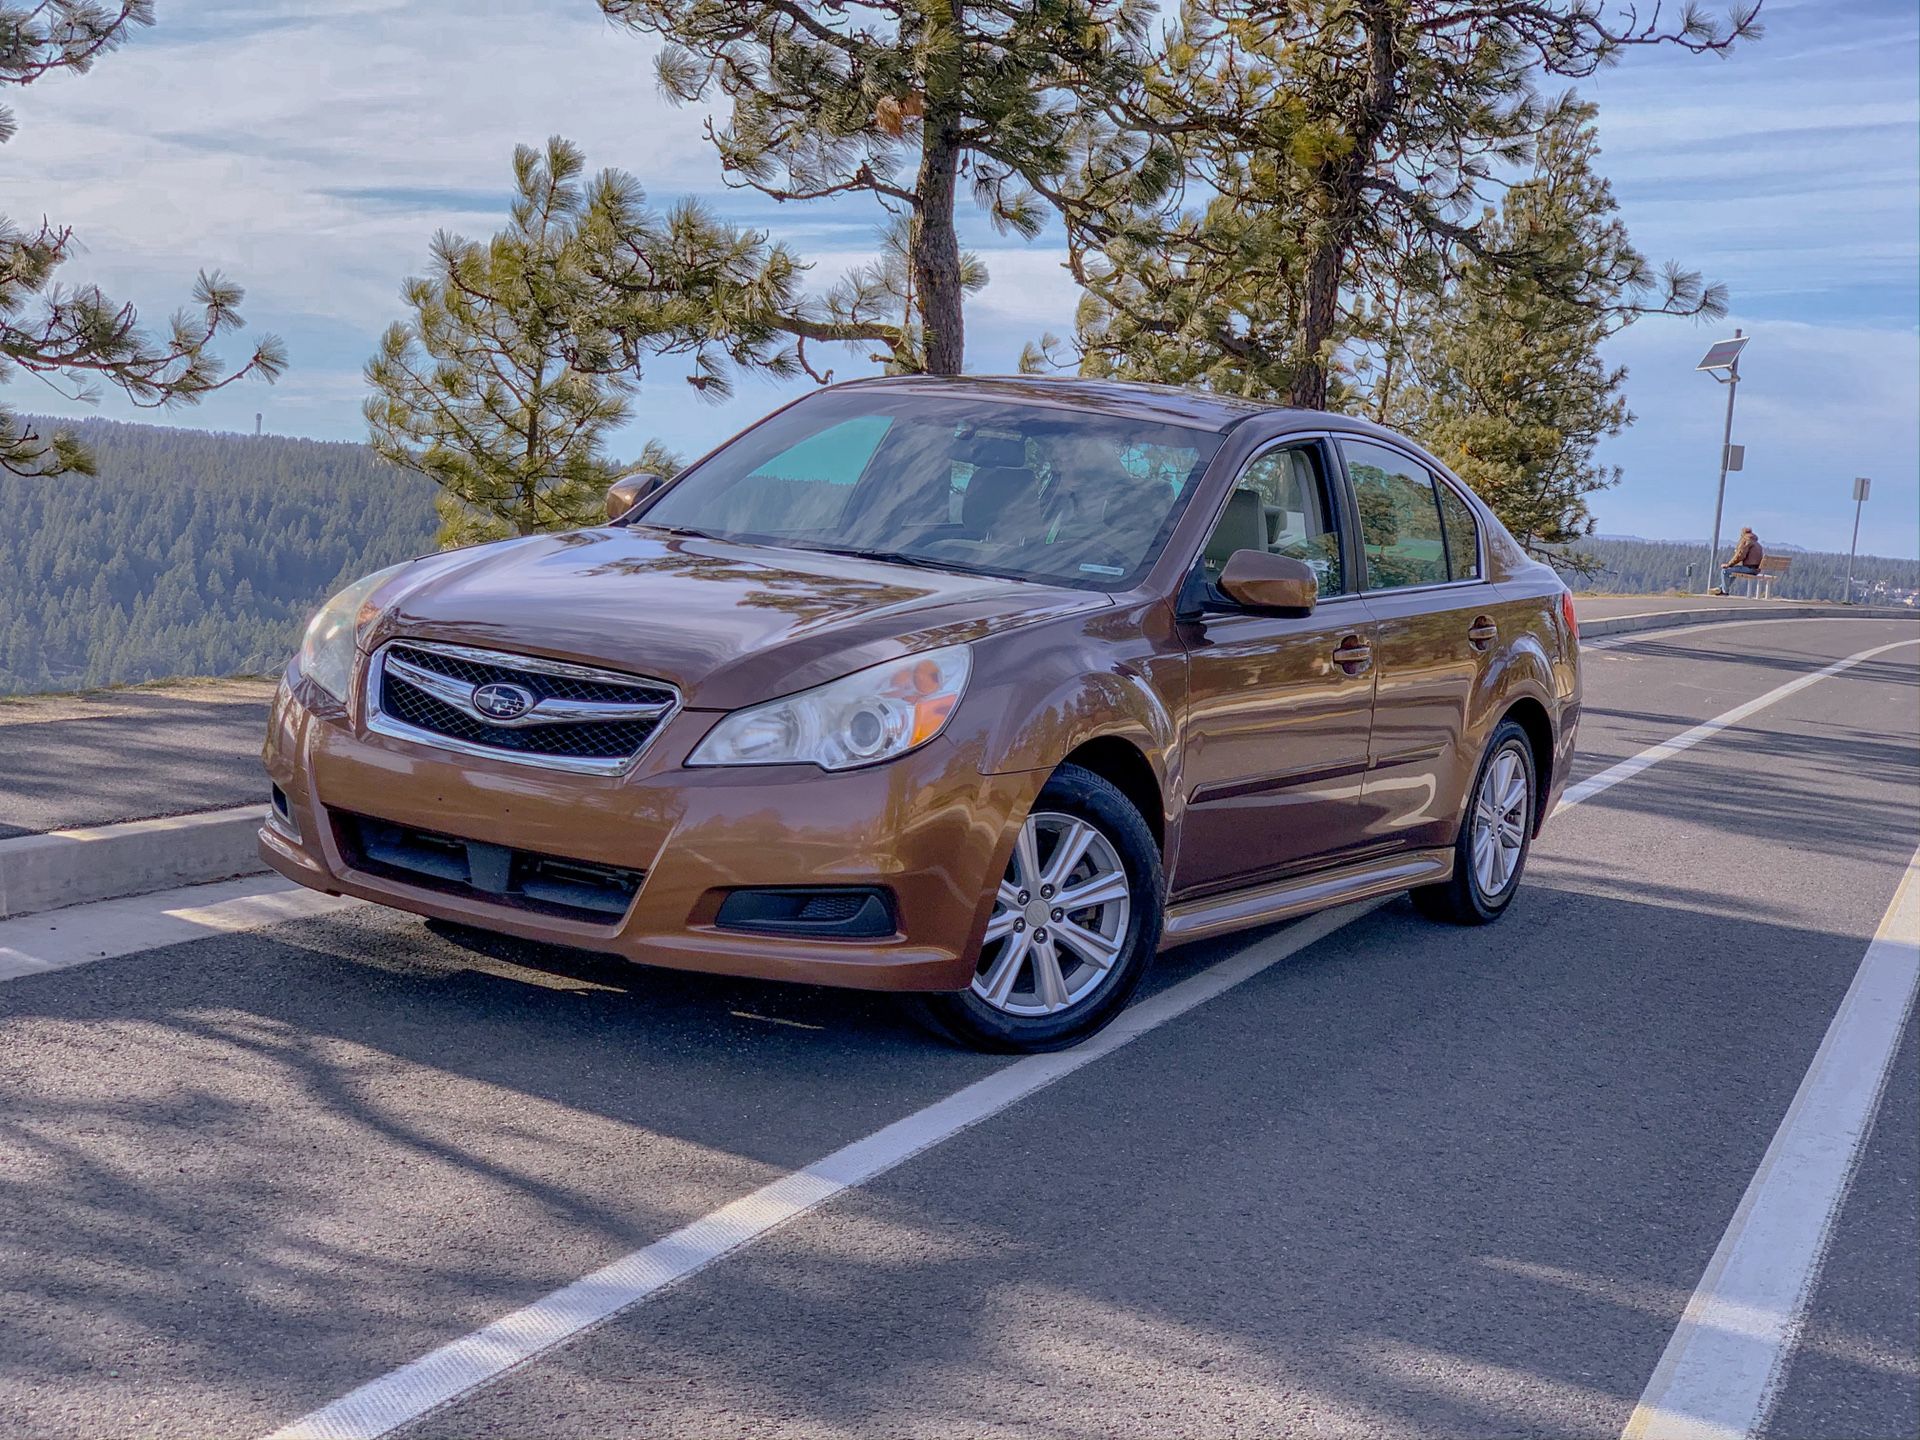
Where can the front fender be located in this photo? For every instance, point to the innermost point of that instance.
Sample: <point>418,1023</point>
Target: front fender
<point>1117,673</point>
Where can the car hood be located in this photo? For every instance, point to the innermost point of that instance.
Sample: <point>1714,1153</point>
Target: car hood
<point>728,624</point>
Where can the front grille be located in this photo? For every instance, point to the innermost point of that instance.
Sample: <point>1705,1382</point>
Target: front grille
<point>499,874</point>
<point>579,718</point>
<point>546,681</point>
<point>604,741</point>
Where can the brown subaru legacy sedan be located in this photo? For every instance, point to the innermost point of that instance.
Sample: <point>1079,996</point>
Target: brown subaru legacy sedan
<point>982,689</point>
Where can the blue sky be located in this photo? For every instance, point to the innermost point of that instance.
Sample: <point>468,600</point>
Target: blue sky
<point>311,151</point>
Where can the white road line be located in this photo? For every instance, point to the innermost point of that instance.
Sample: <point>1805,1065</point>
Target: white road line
<point>1672,632</point>
<point>56,939</point>
<point>1723,1366</point>
<point>1707,729</point>
<point>463,1365</point>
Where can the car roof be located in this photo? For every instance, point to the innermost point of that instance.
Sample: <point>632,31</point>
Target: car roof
<point>1172,404</point>
<point>1168,404</point>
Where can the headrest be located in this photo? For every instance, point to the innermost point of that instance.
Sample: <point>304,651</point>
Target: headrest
<point>994,451</point>
<point>1242,527</point>
<point>990,490</point>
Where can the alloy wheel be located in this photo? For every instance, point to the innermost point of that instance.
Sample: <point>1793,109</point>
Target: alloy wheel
<point>1059,921</point>
<point>1500,815</point>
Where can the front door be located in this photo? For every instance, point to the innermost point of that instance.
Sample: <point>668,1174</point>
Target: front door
<point>1435,623</point>
<point>1279,707</point>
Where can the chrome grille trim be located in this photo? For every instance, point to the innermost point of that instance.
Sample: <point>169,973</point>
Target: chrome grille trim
<point>548,711</point>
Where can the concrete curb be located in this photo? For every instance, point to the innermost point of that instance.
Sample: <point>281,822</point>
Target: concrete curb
<point>1753,610</point>
<point>106,862</point>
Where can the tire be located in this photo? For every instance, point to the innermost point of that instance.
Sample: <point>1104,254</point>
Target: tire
<point>1034,987</point>
<point>1484,882</point>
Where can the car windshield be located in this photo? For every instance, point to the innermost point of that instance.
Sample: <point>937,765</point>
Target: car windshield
<point>982,484</point>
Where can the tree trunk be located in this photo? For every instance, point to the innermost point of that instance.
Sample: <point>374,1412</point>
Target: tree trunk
<point>933,252</point>
<point>1344,203</point>
<point>1309,388</point>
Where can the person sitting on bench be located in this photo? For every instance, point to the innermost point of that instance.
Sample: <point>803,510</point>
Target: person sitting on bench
<point>1747,556</point>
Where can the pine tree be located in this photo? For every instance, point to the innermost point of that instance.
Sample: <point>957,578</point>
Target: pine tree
<point>1512,392</point>
<point>504,384</point>
<point>1344,146</point>
<point>907,101</point>
<point>75,338</point>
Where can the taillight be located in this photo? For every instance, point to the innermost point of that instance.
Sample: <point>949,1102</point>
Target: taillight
<point>1566,614</point>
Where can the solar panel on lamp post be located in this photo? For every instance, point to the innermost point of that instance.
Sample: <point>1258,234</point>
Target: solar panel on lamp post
<point>1723,355</point>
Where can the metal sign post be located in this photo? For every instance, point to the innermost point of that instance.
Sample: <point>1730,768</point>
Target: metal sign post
<point>1861,484</point>
<point>1724,355</point>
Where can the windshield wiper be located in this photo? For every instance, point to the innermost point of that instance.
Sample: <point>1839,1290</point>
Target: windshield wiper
<point>892,557</point>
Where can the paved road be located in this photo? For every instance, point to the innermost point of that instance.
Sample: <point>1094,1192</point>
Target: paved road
<point>113,755</point>
<point>1606,607</point>
<point>1410,1180</point>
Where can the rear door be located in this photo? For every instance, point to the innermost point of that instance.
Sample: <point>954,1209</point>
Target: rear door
<point>1434,630</point>
<point>1279,706</point>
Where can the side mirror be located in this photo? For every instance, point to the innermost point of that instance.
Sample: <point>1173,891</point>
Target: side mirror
<point>1263,581</point>
<point>628,491</point>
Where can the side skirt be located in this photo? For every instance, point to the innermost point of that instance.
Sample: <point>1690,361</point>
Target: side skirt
<point>1303,894</point>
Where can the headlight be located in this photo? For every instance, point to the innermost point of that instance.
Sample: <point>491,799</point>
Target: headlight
<point>870,715</point>
<point>326,651</point>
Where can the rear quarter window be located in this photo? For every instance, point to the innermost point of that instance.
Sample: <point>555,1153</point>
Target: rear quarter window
<point>1463,534</point>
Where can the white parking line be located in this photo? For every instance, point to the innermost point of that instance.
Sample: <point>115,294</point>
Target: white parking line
<point>35,944</point>
<point>464,1365</point>
<point>1676,632</point>
<point>1722,1368</point>
<point>1707,729</point>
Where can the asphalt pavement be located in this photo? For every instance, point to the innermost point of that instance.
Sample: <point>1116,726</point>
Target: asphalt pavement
<point>1609,607</point>
<point>1407,1180</point>
<point>132,754</point>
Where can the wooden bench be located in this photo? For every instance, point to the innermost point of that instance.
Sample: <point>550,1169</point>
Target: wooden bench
<point>1760,586</point>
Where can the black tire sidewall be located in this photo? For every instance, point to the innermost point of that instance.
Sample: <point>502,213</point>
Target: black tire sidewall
<point>1508,735</point>
<point>967,1018</point>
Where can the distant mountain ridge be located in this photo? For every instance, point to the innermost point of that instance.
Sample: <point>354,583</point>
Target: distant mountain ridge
<point>190,553</point>
<point>1782,547</point>
<point>1633,566</point>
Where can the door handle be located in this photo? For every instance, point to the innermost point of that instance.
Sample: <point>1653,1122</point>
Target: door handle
<point>1353,655</point>
<point>1482,633</point>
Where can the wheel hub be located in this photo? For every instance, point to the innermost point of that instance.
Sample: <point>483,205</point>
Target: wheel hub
<point>1059,921</point>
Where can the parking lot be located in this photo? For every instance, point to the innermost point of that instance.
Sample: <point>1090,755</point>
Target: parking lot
<point>1361,1175</point>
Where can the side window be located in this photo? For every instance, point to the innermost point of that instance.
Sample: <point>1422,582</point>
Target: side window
<point>807,485</point>
<point>1399,517</point>
<point>1281,504</point>
<point>1463,534</point>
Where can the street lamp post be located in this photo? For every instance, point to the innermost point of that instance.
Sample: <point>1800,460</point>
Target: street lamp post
<point>1861,484</point>
<point>1723,355</point>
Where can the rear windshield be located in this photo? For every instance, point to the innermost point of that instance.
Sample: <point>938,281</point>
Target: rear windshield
<point>1027,491</point>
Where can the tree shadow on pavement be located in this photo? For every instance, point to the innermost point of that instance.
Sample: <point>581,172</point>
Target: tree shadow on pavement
<point>260,1170</point>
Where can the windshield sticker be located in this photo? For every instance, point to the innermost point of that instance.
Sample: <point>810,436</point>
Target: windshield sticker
<point>1101,570</point>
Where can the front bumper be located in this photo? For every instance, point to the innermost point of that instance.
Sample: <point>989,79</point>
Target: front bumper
<point>929,828</point>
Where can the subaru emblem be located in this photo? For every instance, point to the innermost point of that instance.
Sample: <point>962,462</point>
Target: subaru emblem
<point>500,701</point>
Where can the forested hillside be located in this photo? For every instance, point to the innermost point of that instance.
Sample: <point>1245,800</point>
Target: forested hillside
<point>1636,567</point>
<point>189,553</point>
